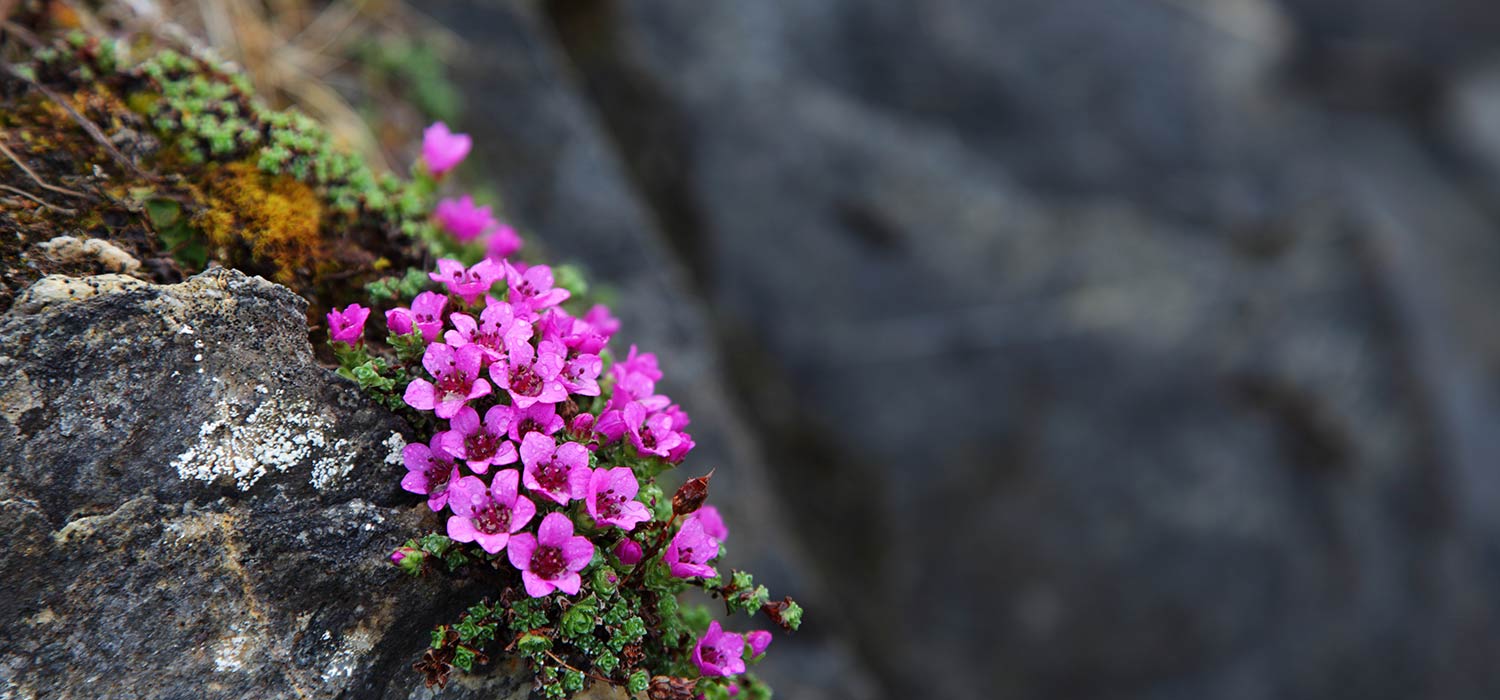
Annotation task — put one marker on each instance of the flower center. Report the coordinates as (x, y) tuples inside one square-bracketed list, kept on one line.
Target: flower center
[(552, 476), (438, 473), (712, 656), (529, 425), (454, 382), (547, 562), (481, 445), (648, 439), (609, 504), (491, 520), (489, 339), (525, 381)]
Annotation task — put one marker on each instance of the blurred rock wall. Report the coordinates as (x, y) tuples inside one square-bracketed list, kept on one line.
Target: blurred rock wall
[(1053, 348)]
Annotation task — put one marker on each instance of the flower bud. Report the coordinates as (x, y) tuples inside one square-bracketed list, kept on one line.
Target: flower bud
[(629, 552), (409, 559), (691, 495)]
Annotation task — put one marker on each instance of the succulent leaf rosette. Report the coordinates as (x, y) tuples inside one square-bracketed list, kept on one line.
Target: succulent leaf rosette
[(539, 448)]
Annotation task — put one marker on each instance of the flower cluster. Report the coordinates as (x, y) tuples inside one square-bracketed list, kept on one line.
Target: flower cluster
[(539, 451)]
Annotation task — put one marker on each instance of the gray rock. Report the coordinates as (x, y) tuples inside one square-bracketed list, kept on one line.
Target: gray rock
[(1094, 350), (194, 508)]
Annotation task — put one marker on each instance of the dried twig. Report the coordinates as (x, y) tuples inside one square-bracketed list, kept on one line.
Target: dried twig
[(39, 200), (34, 177)]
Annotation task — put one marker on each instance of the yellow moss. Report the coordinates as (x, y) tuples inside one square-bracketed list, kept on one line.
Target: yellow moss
[(274, 219)]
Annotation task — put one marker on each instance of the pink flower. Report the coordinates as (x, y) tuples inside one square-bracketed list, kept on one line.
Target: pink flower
[(458, 382), (576, 335), (611, 498), (468, 283), (462, 218), (629, 552), (497, 329), (426, 314), (536, 418), (531, 376), (600, 318), (428, 470), (582, 429), (490, 516), (713, 523), (719, 653), (532, 290), (690, 550), (581, 375), (651, 434), (398, 321), (501, 242), (757, 640), (480, 445), (443, 149), (559, 472), (635, 380), (347, 326), (552, 559)]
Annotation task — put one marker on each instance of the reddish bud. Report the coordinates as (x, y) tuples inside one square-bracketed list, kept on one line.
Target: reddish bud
[(691, 495)]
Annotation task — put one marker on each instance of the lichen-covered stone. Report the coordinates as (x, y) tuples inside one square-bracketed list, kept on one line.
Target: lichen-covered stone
[(192, 506)]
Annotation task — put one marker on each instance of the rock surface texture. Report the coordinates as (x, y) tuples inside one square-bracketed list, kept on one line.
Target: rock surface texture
[(1129, 349), (193, 507)]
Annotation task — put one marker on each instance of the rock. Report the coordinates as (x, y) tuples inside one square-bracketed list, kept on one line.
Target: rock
[(75, 252), (193, 507), (1093, 353)]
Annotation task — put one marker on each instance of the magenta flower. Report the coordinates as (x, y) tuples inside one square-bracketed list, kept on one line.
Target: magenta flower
[(398, 321), (347, 326), (713, 523), (531, 376), (559, 472), (651, 435), (501, 242), (552, 559), (577, 335), (611, 498), (629, 552), (443, 149), (426, 314), (582, 429), (497, 330), (536, 418), (757, 640), (490, 516), (532, 290), (468, 283), (602, 321), (480, 444), (719, 653), (462, 218), (635, 380), (580, 375), (428, 472), (458, 382), (690, 550)]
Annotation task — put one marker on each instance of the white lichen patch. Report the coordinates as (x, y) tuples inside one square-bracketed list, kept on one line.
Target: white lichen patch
[(277, 436), (394, 445), (353, 646), (229, 653)]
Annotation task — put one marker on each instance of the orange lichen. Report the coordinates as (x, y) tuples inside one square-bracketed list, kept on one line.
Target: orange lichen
[(262, 222)]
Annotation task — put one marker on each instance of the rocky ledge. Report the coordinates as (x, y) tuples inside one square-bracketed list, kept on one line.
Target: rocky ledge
[(193, 507)]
